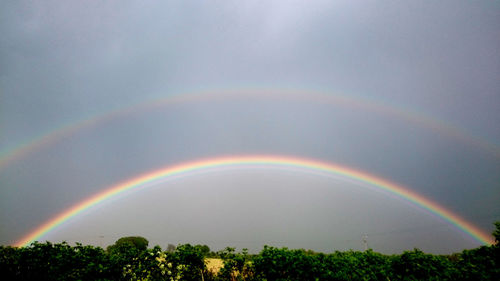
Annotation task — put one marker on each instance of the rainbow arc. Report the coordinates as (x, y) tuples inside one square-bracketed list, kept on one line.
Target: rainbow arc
[(262, 161), (36, 143)]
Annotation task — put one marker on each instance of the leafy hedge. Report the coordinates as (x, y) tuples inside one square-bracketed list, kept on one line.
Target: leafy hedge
[(130, 259)]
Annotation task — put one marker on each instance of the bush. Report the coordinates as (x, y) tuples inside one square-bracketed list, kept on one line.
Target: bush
[(129, 259)]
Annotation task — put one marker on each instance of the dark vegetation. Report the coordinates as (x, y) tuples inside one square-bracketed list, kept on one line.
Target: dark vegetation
[(131, 259)]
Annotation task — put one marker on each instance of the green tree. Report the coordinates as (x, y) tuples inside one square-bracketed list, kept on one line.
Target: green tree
[(204, 249), (126, 252), (416, 265), (191, 260), (47, 261), (137, 242), (284, 264), (237, 266), (496, 233)]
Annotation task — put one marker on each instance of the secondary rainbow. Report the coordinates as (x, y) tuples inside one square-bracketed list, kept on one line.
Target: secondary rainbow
[(282, 162), (36, 143)]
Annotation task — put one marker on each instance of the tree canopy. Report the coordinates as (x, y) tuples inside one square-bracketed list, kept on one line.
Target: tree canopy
[(130, 259)]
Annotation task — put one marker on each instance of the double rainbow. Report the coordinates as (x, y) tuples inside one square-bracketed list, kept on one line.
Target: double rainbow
[(282, 162)]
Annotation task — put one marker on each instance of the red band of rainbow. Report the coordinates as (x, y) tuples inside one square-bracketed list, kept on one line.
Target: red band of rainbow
[(261, 161)]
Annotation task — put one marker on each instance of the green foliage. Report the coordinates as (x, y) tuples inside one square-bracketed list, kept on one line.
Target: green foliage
[(204, 249), (352, 265), (283, 264), (496, 233), (129, 259), (237, 266), (482, 263), (152, 264), (416, 265), (47, 261), (136, 242), (191, 258)]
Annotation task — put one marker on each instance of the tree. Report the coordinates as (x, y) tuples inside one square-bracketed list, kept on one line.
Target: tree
[(237, 266), (47, 261), (496, 233), (417, 265), (134, 244), (204, 249), (191, 258), (138, 242)]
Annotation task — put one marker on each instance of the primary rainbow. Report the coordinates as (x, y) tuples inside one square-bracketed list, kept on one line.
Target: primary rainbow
[(283, 162)]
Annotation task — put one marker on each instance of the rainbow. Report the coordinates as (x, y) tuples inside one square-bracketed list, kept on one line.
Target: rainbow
[(282, 162), (36, 143)]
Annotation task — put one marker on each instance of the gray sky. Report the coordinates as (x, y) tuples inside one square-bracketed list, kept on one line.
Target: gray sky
[(63, 62)]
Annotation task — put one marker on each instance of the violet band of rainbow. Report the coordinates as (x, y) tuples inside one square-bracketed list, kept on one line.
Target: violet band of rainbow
[(263, 160)]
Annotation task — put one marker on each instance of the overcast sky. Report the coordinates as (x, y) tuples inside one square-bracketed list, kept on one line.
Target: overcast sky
[(66, 61)]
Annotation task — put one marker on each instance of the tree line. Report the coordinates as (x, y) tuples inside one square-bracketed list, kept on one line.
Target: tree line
[(131, 259)]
